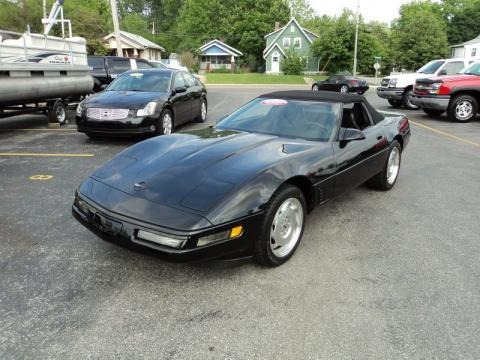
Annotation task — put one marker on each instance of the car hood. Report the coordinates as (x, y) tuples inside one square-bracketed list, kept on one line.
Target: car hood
[(451, 78), (196, 170), (124, 99)]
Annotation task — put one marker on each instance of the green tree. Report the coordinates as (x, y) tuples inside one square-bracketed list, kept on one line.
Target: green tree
[(419, 35), (461, 17), (293, 64), (301, 10)]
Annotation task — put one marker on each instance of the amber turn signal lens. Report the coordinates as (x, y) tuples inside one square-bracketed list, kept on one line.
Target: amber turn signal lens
[(236, 232)]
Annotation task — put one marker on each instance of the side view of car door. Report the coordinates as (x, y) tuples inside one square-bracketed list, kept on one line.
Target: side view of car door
[(195, 93), (358, 159), (180, 100)]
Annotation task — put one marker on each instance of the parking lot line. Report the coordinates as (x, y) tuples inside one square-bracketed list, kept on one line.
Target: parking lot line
[(451, 136), (46, 154)]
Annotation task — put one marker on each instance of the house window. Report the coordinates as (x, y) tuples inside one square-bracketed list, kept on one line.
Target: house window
[(474, 52), (297, 43), (292, 28), (286, 42), (305, 59)]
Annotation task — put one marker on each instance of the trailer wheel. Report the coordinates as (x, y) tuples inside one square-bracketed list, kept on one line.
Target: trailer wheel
[(57, 113)]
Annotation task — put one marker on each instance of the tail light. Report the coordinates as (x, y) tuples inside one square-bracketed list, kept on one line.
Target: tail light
[(403, 125)]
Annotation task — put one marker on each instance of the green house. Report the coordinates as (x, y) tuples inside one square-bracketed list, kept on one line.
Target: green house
[(291, 36)]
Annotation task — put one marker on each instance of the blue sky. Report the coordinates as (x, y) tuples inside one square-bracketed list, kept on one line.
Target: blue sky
[(381, 10)]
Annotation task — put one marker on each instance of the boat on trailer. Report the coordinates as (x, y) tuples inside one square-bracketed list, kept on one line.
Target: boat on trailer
[(39, 72)]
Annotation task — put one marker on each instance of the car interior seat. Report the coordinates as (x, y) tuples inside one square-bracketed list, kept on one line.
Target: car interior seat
[(348, 119)]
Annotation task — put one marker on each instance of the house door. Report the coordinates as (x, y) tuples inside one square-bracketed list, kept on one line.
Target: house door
[(275, 62)]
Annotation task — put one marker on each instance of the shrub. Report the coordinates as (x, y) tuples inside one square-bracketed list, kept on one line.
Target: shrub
[(293, 64), (189, 60)]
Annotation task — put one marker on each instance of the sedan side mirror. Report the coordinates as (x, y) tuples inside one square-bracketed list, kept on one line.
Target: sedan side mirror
[(180, 89), (351, 134)]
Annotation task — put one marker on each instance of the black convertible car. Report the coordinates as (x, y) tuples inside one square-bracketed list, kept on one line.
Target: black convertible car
[(147, 101), (244, 186), (341, 83)]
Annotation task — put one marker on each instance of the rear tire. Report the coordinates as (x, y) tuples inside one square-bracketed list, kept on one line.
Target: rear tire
[(315, 87), (433, 112), (386, 179), (462, 108), (282, 227)]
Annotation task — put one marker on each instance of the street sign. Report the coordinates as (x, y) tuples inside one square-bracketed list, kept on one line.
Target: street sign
[(377, 66)]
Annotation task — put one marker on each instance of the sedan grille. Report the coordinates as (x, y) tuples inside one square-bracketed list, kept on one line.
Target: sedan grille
[(385, 82), (107, 114)]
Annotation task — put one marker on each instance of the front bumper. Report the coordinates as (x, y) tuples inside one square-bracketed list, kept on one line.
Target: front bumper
[(390, 93), (131, 125), (435, 102), (123, 230)]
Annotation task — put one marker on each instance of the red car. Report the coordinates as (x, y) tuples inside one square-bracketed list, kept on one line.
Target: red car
[(458, 95)]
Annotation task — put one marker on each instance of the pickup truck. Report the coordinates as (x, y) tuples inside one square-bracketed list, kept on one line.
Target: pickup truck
[(398, 88), (104, 69), (458, 95)]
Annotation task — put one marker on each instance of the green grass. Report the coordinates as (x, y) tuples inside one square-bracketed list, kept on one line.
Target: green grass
[(253, 78)]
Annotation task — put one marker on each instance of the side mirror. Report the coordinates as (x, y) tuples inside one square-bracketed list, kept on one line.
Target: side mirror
[(442, 72), (180, 89), (352, 135)]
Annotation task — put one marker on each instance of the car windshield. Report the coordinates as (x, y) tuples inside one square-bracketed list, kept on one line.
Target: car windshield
[(311, 120), (473, 69), (142, 81), (431, 67)]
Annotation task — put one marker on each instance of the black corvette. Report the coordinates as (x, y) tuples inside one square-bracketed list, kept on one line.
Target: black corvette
[(148, 101), (243, 187), (341, 83)]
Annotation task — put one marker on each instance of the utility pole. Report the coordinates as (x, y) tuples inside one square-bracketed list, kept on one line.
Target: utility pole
[(356, 41), (116, 27)]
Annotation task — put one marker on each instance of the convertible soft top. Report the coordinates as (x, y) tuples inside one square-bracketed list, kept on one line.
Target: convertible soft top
[(325, 96)]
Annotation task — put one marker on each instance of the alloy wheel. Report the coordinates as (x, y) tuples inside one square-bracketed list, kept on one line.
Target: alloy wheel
[(286, 227), (315, 87), (167, 124), (393, 165), (344, 89), (60, 114), (203, 111), (463, 110)]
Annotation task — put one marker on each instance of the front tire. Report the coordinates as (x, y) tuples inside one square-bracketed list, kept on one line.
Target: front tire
[(202, 117), (433, 112), (282, 227), (315, 87), (462, 108), (386, 179), (165, 124), (406, 102), (344, 89)]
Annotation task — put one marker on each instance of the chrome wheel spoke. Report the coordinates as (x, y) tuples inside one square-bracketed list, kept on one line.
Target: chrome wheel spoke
[(286, 227), (393, 165)]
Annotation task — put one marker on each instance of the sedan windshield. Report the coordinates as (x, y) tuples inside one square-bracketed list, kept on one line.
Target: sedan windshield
[(142, 81), (431, 67), (473, 69), (311, 120)]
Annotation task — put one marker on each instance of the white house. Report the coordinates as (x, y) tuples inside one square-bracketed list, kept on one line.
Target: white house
[(216, 54), (134, 46), (469, 50)]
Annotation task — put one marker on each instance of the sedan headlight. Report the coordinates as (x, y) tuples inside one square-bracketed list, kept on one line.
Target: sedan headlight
[(392, 83), (147, 110), (79, 110)]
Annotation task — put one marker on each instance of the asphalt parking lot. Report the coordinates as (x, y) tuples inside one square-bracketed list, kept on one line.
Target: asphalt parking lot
[(378, 275)]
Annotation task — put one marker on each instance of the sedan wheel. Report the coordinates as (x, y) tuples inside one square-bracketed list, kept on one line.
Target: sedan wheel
[(165, 123), (282, 227), (203, 111), (388, 177), (315, 87), (344, 89)]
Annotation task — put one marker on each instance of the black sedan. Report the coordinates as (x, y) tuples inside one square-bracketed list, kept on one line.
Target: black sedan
[(243, 187), (341, 83), (148, 101)]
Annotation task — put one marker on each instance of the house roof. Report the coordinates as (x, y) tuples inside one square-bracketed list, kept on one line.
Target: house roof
[(280, 32), (271, 49), (227, 48), (137, 40), (474, 41)]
